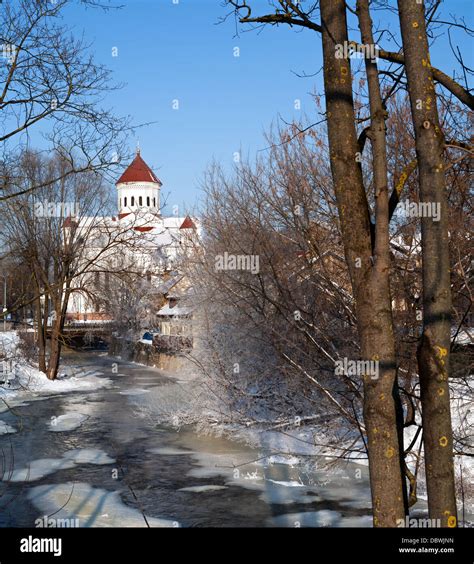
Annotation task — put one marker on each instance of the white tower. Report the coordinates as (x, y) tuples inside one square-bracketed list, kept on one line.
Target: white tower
[(138, 189)]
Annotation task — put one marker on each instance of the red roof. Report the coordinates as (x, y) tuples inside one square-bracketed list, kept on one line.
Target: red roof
[(138, 171), (69, 222), (188, 223)]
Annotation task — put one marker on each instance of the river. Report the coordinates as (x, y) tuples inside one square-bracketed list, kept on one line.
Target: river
[(94, 458)]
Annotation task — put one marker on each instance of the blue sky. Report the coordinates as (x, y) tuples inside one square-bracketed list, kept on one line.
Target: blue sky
[(170, 51)]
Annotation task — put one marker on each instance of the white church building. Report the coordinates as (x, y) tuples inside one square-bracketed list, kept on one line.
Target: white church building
[(138, 238)]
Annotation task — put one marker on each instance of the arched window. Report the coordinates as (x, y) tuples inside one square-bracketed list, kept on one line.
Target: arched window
[(154, 202), (133, 201), (125, 202), (148, 201), (140, 201), (120, 202)]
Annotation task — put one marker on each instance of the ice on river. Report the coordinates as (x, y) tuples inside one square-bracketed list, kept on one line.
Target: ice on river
[(290, 484), (93, 507), (37, 469), (282, 459), (67, 422), (88, 456), (40, 468), (11, 403), (134, 392), (201, 489), (5, 429), (169, 451)]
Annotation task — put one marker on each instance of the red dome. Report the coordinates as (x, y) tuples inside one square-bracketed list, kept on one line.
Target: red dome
[(138, 171)]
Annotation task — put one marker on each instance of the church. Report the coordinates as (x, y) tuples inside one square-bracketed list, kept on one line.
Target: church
[(137, 239), (138, 201)]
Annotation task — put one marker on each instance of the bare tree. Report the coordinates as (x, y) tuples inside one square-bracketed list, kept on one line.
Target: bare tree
[(434, 348), (49, 77), (59, 232), (365, 242)]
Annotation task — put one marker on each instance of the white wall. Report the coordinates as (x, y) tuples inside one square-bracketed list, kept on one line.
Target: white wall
[(136, 190)]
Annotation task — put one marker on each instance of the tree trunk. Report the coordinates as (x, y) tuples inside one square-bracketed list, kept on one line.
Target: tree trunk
[(369, 275), (41, 335), (60, 309), (433, 352), (377, 136), (55, 347)]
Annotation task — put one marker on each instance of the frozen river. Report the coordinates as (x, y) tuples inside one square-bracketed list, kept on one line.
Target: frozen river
[(95, 458)]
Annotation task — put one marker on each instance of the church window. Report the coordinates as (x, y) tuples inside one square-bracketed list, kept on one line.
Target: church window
[(148, 201), (140, 201), (125, 202), (133, 201), (154, 202)]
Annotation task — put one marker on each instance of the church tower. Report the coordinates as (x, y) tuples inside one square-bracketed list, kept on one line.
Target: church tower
[(138, 189)]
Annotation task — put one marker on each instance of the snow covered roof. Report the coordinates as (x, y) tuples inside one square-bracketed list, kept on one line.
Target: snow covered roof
[(168, 311), (173, 222), (163, 238)]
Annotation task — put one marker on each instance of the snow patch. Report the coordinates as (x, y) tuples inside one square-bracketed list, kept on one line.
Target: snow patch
[(93, 507), (88, 456), (8, 342), (29, 379), (134, 392), (200, 489), (291, 484), (5, 429), (67, 422), (37, 469), (283, 459)]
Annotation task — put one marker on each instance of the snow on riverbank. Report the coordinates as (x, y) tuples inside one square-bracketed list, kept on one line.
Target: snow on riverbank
[(25, 380)]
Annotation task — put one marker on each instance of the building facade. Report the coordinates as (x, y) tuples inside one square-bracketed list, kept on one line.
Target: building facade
[(138, 240)]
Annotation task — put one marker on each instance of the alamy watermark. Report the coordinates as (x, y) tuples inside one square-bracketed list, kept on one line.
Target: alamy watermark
[(348, 367), (35, 544), (56, 209), (421, 209), (418, 522), (351, 50), (48, 522), (229, 261), (8, 51)]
